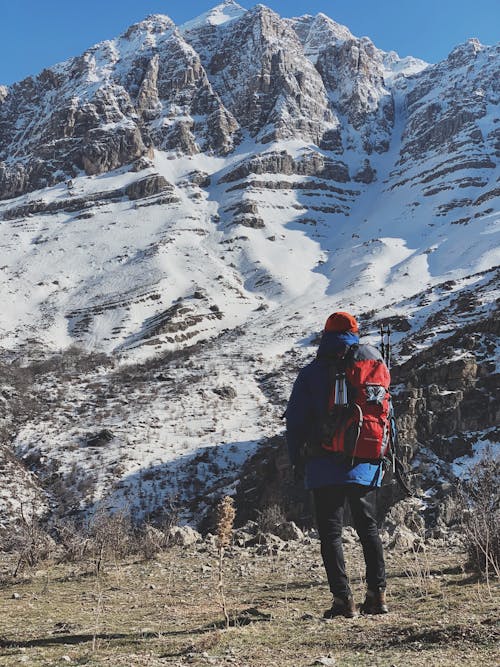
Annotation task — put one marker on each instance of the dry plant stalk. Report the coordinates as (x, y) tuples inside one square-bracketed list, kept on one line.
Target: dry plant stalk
[(98, 609), (419, 572), (225, 522)]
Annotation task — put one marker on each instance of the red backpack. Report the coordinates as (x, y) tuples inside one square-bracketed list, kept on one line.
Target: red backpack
[(358, 422)]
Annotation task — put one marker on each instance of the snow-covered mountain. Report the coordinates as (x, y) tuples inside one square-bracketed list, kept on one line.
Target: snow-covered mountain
[(220, 187)]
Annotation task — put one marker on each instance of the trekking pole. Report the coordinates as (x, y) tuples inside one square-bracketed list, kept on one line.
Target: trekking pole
[(385, 347), (398, 468)]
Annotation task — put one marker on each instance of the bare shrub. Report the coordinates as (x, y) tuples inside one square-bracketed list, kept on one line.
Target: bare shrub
[(31, 543), (71, 361), (269, 518), (111, 536), (150, 540), (154, 534), (479, 502), (418, 570), (73, 542), (105, 537)]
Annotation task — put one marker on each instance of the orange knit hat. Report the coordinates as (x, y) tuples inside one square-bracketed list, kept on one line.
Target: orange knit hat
[(340, 322)]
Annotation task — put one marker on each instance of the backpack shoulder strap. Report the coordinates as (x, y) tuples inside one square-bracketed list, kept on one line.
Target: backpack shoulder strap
[(350, 355)]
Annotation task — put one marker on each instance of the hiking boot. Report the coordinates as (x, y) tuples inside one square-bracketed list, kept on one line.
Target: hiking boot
[(374, 603), (342, 607)]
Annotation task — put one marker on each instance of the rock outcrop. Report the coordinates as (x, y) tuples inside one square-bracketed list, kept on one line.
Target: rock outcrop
[(310, 164), (448, 406), (108, 107), (148, 186)]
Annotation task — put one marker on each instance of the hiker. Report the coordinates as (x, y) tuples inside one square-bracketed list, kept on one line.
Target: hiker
[(341, 459)]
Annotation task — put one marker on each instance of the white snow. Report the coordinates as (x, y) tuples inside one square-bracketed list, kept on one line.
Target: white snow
[(223, 13), (462, 466)]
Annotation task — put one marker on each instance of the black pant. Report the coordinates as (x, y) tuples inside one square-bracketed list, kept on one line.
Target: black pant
[(329, 505)]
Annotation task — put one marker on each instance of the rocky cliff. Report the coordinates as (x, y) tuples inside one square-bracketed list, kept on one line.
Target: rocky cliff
[(193, 89)]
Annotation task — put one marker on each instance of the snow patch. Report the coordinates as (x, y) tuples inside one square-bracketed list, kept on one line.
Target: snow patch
[(219, 15)]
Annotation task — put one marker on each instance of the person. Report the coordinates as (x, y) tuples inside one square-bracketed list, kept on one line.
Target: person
[(332, 477)]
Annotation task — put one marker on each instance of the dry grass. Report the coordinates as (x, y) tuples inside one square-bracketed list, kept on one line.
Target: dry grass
[(166, 612)]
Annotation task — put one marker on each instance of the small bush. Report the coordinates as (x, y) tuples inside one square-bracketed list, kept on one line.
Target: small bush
[(113, 536), (110, 536), (30, 542), (479, 501), (269, 518), (150, 541), (73, 542)]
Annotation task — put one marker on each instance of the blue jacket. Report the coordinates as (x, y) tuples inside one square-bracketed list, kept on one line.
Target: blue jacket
[(306, 407)]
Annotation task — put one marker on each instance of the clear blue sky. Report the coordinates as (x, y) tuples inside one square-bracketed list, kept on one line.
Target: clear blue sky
[(37, 33)]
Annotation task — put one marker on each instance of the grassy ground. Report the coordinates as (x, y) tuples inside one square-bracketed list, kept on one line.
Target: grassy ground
[(167, 612)]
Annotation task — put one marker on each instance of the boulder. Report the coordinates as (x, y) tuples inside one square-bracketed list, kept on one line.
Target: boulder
[(288, 530), (366, 174), (226, 391), (268, 544), (100, 439), (404, 539), (241, 538), (184, 536), (268, 540), (405, 514)]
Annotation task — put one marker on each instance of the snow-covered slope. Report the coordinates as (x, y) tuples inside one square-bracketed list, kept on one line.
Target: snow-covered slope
[(223, 13), (223, 187)]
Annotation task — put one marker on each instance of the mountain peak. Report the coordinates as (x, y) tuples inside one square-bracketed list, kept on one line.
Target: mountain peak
[(321, 16), (259, 7), (154, 24), (462, 53), (341, 31), (318, 31), (218, 15)]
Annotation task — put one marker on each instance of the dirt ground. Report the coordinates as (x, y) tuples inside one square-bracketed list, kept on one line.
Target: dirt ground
[(167, 611)]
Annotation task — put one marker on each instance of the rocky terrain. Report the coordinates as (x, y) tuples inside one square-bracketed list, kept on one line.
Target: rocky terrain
[(180, 209), (165, 610)]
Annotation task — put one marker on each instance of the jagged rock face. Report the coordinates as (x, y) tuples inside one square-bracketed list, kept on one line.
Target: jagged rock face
[(451, 402), (109, 107), (448, 131), (148, 186), (65, 132), (176, 80), (192, 91), (104, 151), (318, 32), (260, 72), (353, 74), (195, 90), (450, 405)]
